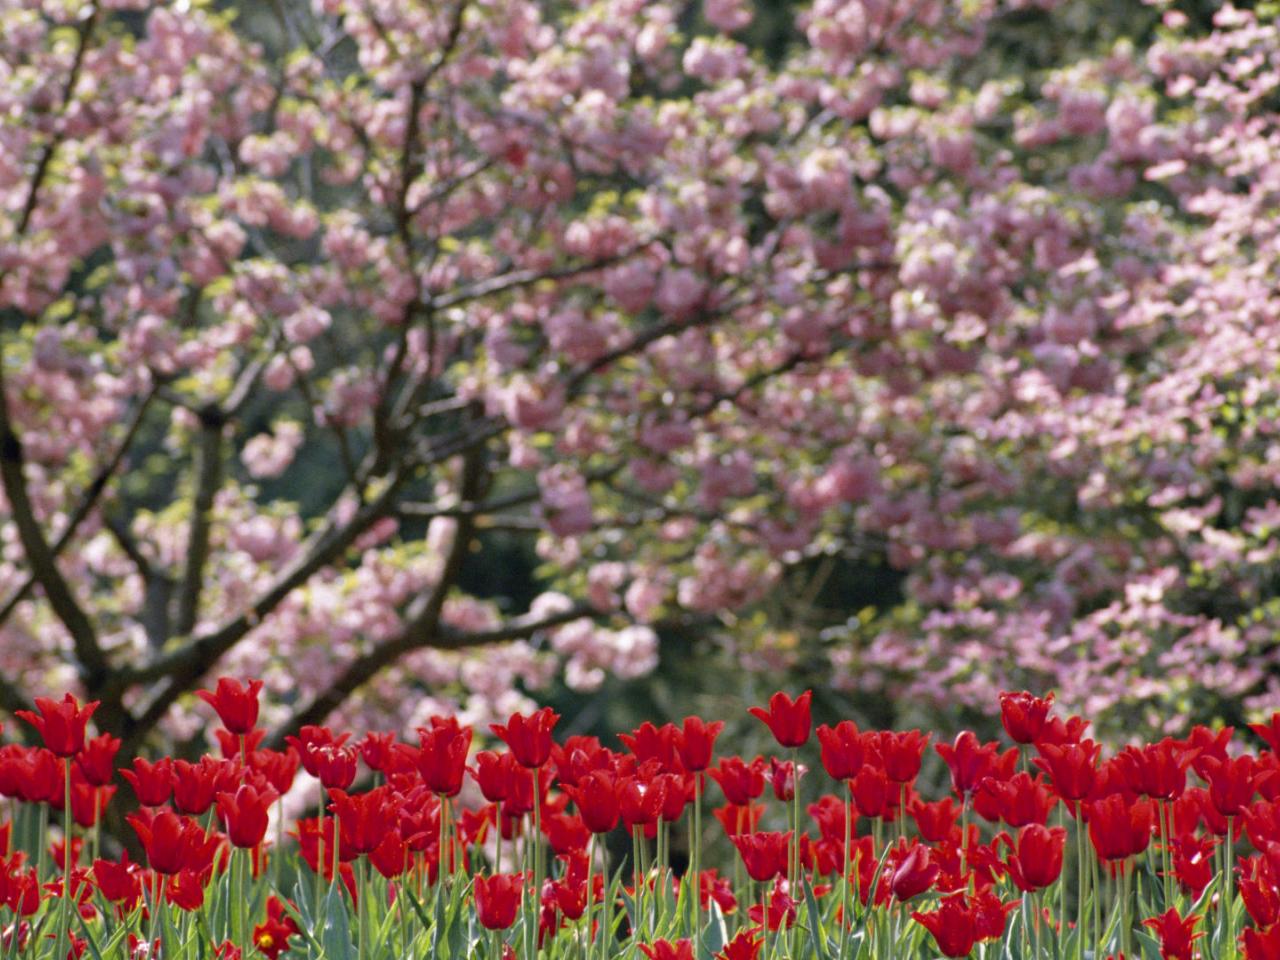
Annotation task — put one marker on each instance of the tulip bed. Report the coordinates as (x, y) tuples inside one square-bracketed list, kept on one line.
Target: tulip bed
[(432, 849)]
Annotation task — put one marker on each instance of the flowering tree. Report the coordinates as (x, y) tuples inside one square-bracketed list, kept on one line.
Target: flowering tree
[(602, 276)]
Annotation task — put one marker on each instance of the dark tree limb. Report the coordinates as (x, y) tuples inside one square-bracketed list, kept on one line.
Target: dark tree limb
[(208, 478), (366, 667), (181, 667)]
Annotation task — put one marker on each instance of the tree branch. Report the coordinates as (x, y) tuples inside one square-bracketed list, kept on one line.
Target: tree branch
[(208, 472), (186, 664), (366, 667)]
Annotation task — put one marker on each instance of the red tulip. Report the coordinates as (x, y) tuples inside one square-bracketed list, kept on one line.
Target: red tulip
[(666, 950), (783, 777), (309, 739), (196, 784), (640, 801), (363, 818), (88, 802), (1035, 860), (236, 704), (596, 797), (677, 791), (565, 832), (740, 782), (152, 782), (1232, 783), (279, 768), (914, 873), (497, 899), (1120, 828), (1018, 801), (1193, 863), (779, 911), (1269, 731), (391, 857), (185, 890), (118, 880), (788, 720), (493, 773), (842, 749), (745, 945), (442, 759), (739, 819), (969, 761), (1023, 715), (1072, 767), (1157, 770), (60, 725), (529, 738), (873, 794), (1175, 933), (272, 936), (377, 749), (648, 742), (335, 766), (1259, 891), (245, 814), (1060, 732), (172, 843), (901, 754), (96, 761), (764, 854), (695, 743), (578, 756), (935, 821), (953, 926)]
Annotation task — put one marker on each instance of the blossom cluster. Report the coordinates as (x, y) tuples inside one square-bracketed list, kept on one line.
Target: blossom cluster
[(370, 283)]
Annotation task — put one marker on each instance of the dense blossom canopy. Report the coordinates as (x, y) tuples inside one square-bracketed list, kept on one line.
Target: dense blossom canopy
[(608, 276)]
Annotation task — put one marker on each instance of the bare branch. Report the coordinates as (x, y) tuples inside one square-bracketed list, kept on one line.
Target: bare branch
[(182, 666), (365, 668), (208, 474)]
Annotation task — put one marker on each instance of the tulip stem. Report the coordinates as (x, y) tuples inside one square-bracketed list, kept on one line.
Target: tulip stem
[(64, 914), (1037, 916), (846, 903), (320, 858), (591, 863), (238, 894), (696, 851), (1228, 868), (497, 856), (1081, 875), (95, 831), (1126, 909), (41, 842), (1096, 879), (362, 908), (638, 881), (537, 853), (1165, 811)]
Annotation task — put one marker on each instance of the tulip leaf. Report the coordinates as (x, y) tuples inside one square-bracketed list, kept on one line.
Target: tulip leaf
[(715, 935), (816, 935), (336, 936)]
